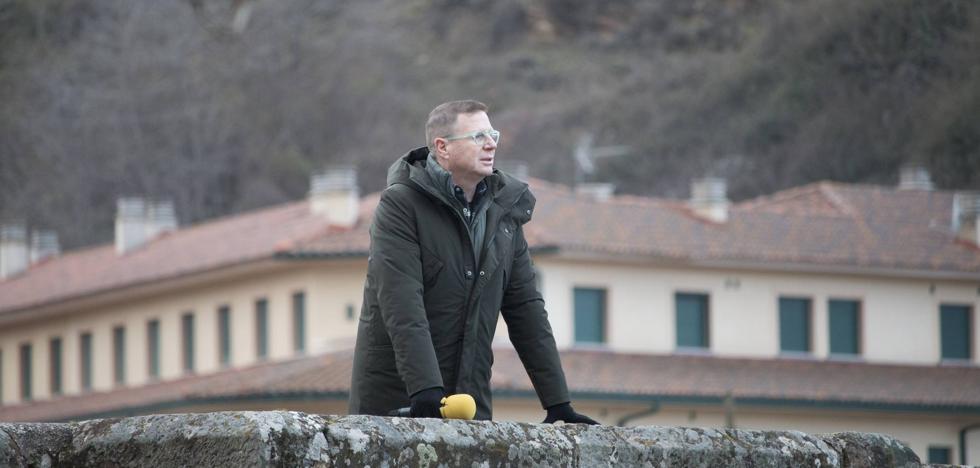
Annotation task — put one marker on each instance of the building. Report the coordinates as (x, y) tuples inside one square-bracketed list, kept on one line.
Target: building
[(821, 308)]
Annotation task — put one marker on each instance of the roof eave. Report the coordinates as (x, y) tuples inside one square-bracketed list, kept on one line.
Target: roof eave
[(182, 403), (136, 289), (320, 255), (857, 270), (770, 266), (757, 402)]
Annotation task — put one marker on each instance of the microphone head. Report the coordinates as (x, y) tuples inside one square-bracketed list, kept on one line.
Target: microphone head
[(458, 406)]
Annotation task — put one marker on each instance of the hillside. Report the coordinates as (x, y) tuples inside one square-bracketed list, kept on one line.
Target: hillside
[(226, 106)]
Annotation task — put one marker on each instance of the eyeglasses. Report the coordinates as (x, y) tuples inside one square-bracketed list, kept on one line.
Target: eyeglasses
[(480, 137)]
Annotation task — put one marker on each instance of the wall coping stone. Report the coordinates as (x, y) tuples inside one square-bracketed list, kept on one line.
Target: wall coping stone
[(288, 438)]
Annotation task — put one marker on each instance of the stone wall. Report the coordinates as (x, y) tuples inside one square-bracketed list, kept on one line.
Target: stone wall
[(279, 438)]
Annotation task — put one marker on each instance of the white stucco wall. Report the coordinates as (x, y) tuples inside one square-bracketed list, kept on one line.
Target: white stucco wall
[(329, 288), (899, 317)]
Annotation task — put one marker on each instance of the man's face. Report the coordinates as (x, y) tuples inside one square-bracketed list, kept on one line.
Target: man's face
[(465, 157)]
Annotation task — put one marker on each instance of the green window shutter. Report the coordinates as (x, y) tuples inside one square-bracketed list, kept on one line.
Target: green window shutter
[(844, 329), (692, 320), (119, 354), (86, 358), (56, 387), (261, 328), (187, 332), (955, 331), (224, 335), (590, 315), (299, 322), (794, 324), (153, 348), (25, 372), (939, 455)]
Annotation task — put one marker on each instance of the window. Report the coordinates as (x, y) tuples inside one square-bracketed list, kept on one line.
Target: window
[(85, 354), (939, 455), (845, 328), (119, 355), (224, 335), (187, 334), (55, 356), (25, 372), (299, 322), (261, 328), (955, 326), (794, 325), (692, 320), (590, 315), (153, 348)]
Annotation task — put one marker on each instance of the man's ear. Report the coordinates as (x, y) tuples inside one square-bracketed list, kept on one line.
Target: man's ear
[(440, 146)]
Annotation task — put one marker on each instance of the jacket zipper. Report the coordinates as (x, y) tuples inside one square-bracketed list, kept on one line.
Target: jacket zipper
[(469, 302)]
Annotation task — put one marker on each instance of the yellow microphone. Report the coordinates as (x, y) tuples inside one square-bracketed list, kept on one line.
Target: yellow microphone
[(458, 406)]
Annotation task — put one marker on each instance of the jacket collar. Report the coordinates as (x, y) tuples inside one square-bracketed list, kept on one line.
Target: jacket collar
[(411, 170)]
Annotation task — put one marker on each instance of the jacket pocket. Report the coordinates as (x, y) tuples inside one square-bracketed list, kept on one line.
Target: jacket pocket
[(432, 266), (373, 328)]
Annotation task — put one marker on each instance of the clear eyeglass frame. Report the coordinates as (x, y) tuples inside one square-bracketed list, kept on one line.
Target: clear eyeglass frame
[(479, 136)]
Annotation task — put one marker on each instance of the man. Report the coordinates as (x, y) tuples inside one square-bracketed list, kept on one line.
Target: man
[(447, 256)]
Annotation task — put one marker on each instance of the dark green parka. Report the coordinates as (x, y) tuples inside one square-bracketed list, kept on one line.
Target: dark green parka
[(429, 312)]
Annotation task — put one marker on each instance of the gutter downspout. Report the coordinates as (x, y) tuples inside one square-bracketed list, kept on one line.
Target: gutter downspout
[(963, 432), (653, 409)]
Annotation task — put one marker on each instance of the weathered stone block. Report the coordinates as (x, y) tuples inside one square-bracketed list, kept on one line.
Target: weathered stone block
[(40, 445)]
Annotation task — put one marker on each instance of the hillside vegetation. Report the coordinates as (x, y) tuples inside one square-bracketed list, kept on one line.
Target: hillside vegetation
[(226, 106)]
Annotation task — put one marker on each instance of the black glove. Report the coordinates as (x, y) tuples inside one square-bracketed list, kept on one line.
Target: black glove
[(427, 403), (564, 412)]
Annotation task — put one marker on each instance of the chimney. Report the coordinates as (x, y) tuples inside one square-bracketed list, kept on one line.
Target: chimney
[(333, 194), (13, 249), (515, 168), (914, 178), (160, 218), (139, 221), (598, 191), (966, 208), (44, 244), (709, 198)]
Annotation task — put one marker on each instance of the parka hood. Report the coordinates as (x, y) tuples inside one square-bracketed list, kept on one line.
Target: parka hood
[(507, 190)]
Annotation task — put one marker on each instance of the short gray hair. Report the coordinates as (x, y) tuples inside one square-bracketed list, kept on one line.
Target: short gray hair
[(443, 118)]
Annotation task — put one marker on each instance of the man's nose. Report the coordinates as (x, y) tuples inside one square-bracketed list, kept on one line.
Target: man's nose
[(490, 144)]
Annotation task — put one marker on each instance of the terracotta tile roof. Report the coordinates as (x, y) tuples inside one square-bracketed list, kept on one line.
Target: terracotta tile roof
[(219, 243), (765, 380), (821, 224), (597, 375), (329, 373), (817, 225)]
